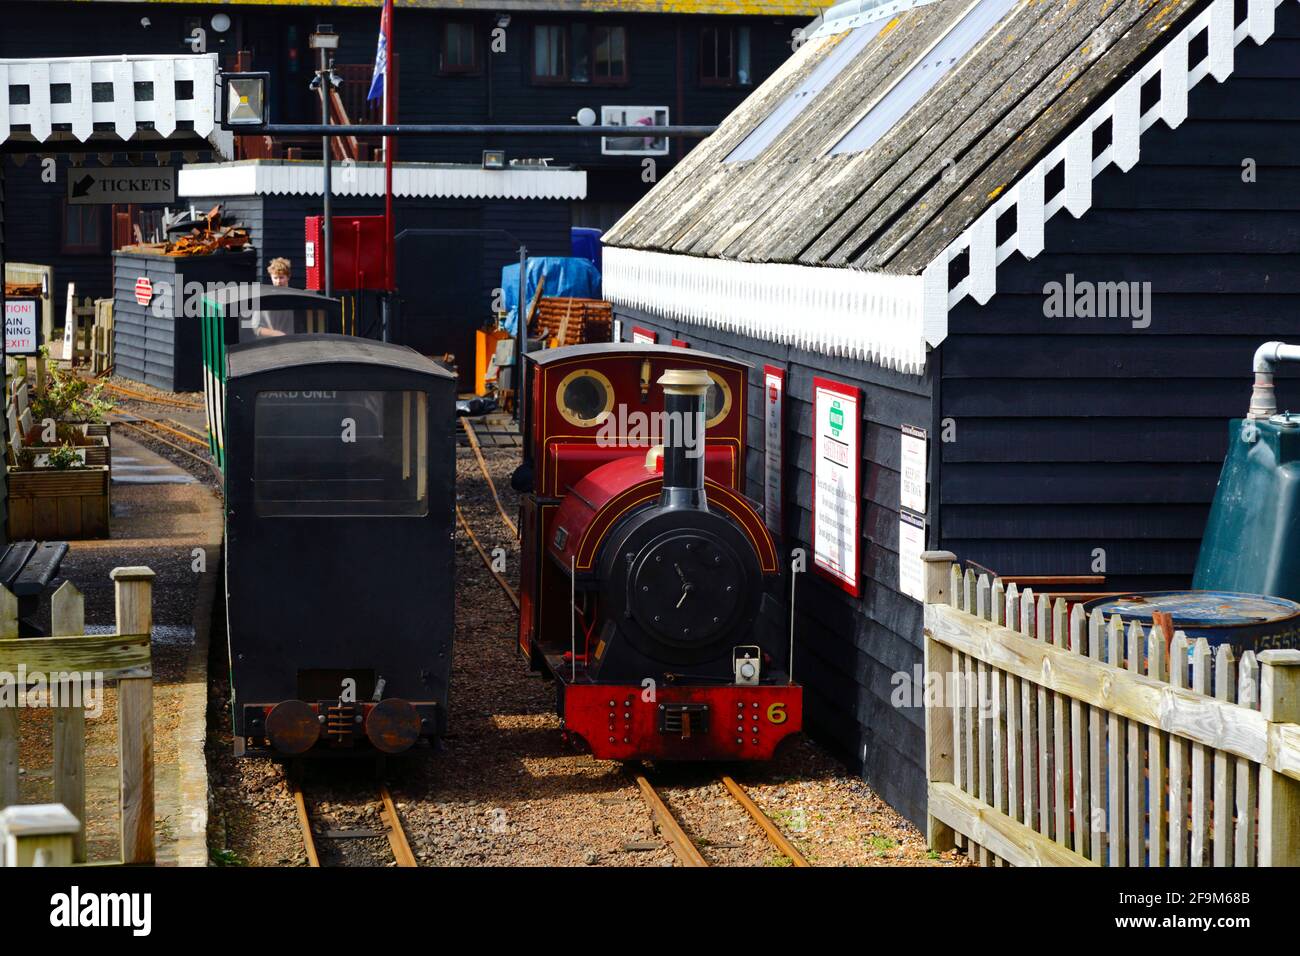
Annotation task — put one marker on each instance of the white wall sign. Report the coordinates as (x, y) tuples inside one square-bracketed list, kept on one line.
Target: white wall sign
[(773, 450), (647, 116), (836, 460), (912, 481), (21, 322), (911, 544)]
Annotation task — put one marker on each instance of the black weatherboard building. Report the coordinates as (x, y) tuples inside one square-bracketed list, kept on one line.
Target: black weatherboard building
[(458, 61), (1053, 249)]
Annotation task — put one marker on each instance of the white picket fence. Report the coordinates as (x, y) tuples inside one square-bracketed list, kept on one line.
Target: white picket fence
[(121, 93), (1057, 738)]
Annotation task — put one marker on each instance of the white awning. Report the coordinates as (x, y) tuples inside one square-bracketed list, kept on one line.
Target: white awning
[(146, 100), (864, 315), (425, 180)]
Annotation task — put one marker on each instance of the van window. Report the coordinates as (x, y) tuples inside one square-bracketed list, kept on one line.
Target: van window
[(344, 452)]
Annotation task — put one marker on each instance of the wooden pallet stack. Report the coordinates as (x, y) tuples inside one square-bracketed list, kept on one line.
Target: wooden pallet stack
[(571, 321)]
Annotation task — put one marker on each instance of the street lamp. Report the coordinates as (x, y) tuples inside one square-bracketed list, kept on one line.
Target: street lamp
[(326, 40)]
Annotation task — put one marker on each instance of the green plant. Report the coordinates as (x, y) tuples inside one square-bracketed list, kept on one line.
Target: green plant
[(64, 457), (68, 397), (26, 459), (880, 843), (226, 858)]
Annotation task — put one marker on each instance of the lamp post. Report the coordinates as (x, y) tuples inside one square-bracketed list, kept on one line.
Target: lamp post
[(326, 40)]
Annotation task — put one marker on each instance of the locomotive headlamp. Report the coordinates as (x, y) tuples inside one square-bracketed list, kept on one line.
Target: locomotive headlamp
[(243, 101), (745, 662)]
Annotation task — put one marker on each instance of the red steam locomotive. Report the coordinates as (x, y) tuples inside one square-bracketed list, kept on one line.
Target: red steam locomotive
[(647, 575)]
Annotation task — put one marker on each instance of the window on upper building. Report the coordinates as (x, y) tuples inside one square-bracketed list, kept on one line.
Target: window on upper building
[(724, 56), (83, 229), (459, 48), (579, 53)]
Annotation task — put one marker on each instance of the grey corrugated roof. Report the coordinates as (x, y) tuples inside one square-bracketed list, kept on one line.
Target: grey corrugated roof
[(896, 205), (251, 358)]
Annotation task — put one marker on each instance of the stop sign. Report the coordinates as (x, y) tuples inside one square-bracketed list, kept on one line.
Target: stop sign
[(143, 290)]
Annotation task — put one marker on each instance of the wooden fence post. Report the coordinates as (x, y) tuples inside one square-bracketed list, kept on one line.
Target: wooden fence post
[(133, 588), (9, 715), (939, 741), (68, 618), (1279, 795), (37, 835)]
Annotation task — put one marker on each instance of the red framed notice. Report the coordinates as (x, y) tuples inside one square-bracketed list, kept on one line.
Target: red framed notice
[(837, 456), (773, 446), (644, 336), (681, 343), (22, 326)]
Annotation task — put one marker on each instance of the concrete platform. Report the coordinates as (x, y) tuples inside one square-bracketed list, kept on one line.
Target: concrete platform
[(163, 518)]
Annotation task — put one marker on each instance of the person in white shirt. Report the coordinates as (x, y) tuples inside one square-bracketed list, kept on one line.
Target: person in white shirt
[(275, 321)]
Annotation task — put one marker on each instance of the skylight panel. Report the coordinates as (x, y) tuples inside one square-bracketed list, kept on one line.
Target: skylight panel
[(922, 76), (766, 132)]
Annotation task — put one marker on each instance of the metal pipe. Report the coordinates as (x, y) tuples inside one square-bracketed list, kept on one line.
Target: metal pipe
[(328, 185), (1263, 401), (453, 129), (521, 341)]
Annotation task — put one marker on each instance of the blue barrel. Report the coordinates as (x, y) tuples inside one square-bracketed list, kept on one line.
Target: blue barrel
[(1248, 622)]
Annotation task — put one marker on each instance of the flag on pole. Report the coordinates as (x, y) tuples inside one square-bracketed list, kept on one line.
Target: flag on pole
[(381, 53)]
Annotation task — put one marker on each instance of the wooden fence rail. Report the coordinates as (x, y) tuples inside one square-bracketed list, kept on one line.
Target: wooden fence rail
[(1058, 738), (69, 661)]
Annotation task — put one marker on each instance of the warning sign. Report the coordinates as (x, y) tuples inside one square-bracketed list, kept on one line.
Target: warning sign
[(21, 316), (836, 460)]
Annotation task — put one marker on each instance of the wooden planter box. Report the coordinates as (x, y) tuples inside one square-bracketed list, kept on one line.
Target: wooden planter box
[(52, 504), (96, 453)]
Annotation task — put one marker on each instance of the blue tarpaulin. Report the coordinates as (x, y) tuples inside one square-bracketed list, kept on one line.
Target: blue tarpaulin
[(565, 276), (584, 243)]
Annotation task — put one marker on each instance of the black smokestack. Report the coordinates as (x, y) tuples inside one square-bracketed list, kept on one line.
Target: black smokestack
[(683, 437)]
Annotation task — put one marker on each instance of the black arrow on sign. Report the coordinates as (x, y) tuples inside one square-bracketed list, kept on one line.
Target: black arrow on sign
[(82, 186)]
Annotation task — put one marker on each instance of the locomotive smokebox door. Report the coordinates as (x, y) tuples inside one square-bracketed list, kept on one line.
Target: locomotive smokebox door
[(340, 461)]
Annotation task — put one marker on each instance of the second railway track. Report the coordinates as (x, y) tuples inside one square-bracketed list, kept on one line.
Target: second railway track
[(686, 850), (390, 828)]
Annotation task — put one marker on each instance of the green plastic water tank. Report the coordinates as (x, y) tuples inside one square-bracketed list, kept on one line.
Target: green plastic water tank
[(1251, 540)]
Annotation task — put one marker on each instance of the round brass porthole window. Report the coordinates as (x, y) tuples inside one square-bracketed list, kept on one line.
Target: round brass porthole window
[(717, 401), (584, 397)]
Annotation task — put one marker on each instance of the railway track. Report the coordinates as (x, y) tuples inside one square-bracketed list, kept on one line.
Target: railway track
[(686, 850), (469, 531), (133, 395), (157, 429), (392, 829)]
